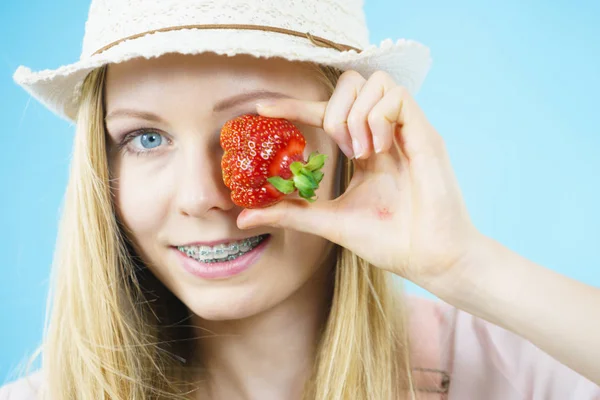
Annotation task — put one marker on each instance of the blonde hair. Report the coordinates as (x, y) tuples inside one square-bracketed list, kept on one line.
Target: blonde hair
[(113, 331)]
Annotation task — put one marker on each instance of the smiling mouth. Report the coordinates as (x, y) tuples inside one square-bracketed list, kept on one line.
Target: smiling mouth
[(222, 252)]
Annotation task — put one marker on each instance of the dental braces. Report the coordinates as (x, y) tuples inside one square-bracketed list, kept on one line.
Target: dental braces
[(221, 252)]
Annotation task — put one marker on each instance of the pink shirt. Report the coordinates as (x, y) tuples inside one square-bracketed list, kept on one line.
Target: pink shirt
[(487, 362), (484, 361)]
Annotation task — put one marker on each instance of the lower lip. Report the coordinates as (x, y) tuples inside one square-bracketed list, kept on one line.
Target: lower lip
[(225, 269)]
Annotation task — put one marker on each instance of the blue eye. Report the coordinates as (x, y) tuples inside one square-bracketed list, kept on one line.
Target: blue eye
[(143, 141), (150, 140)]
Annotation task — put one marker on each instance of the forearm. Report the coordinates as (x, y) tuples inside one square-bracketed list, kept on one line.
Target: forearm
[(559, 315)]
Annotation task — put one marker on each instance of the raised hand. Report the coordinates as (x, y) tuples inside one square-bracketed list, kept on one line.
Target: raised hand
[(403, 210)]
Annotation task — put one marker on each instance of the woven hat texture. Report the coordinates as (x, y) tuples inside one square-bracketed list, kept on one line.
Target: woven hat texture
[(329, 32)]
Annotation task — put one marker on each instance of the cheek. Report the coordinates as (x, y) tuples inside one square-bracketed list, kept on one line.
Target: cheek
[(303, 254), (139, 202)]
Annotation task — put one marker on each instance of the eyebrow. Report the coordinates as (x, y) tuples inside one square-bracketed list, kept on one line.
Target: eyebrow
[(222, 105), (247, 96)]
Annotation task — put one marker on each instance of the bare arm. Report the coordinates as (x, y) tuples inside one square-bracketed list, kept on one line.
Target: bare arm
[(559, 315)]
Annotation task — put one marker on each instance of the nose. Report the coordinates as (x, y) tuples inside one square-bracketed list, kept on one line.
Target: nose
[(200, 187)]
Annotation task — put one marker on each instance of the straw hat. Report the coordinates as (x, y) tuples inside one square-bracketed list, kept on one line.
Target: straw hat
[(329, 32)]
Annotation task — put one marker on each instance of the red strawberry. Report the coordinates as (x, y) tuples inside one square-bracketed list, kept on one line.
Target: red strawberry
[(264, 161)]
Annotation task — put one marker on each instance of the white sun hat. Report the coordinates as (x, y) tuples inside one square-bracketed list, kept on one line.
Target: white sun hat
[(328, 32)]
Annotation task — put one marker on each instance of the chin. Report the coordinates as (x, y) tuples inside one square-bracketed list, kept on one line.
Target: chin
[(230, 304), (226, 313)]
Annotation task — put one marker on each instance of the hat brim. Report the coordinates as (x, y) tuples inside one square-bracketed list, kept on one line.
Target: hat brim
[(407, 61)]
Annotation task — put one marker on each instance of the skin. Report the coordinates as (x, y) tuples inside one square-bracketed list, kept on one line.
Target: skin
[(403, 212), (175, 195)]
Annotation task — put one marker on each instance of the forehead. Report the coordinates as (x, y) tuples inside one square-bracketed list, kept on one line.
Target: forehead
[(204, 79)]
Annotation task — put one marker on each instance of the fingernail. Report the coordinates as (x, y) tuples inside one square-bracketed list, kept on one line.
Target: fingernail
[(347, 151), (358, 151), (264, 104), (377, 144)]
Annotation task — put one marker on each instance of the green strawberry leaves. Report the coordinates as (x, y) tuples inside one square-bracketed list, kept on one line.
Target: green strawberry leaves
[(315, 161), (285, 186), (306, 177)]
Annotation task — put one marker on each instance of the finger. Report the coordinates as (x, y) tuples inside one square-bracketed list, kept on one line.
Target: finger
[(331, 116), (383, 120), (340, 104), (417, 136), (304, 111), (370, 94), (296, 214)]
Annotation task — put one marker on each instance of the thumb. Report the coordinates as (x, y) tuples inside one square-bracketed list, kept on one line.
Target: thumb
[(297, 214)]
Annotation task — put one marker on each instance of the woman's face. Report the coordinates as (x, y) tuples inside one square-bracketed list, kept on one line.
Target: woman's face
[(173, 194)]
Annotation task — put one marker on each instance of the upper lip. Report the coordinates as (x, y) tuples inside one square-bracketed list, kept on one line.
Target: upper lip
[(216, 242)]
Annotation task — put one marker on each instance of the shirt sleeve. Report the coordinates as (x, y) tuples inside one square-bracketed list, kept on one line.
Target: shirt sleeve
[(488, 362), (23, 389)]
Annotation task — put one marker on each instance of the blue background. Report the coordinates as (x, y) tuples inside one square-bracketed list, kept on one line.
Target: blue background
[(513, 89)]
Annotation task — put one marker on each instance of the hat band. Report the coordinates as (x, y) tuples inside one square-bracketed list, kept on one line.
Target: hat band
[(316, 40)]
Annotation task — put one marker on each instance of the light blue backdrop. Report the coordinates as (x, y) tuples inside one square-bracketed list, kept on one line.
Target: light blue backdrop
[(513, 89)]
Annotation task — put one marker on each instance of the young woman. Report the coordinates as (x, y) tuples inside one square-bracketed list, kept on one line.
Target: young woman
[(310, 309)]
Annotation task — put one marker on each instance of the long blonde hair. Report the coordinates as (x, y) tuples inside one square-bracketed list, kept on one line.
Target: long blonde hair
[(113, 331)]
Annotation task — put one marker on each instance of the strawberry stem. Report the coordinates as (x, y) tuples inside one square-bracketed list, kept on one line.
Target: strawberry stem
[(285, 186), (305, 177), (315, 161)]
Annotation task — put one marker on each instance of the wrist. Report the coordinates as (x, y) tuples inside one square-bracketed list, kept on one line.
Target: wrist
[(489, 282), (461, 284)]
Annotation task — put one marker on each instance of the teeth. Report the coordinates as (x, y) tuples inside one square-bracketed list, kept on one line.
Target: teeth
[(234, 248), (221, 251), (244, 246)]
